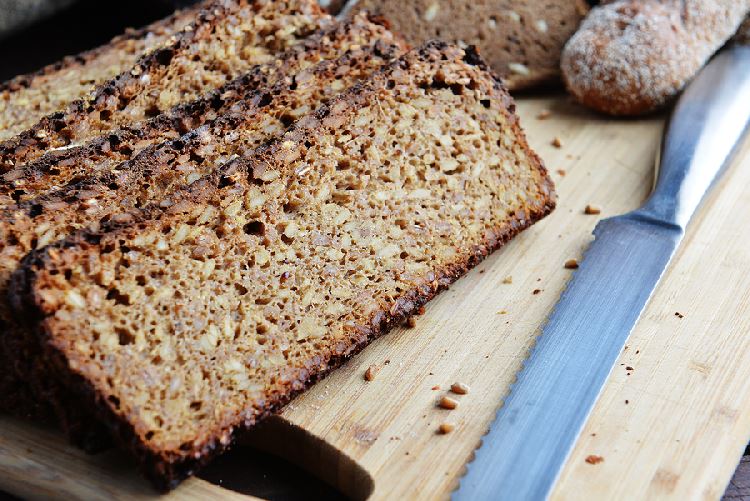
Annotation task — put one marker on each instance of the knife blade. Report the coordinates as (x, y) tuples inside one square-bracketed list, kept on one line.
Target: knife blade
[(536, 427)]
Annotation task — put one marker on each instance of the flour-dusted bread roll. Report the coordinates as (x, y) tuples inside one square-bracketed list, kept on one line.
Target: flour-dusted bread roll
[(632, 56)]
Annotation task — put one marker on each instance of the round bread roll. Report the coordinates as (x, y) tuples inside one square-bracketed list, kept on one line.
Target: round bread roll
[(632, 56)]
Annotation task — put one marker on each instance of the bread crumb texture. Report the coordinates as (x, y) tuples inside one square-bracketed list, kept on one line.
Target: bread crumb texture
[(225, 41), (159, 171), (212, 308), (522, 41), (27, 98)]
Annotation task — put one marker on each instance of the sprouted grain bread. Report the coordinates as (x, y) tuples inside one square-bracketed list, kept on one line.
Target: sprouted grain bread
[(210, 310), (223, 42), (26, 99), (59, 168), (158, 171)]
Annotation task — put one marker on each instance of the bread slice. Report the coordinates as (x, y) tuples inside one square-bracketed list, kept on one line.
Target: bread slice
[(25, 99), (151, 175), (100, 155), (522, 41), (198, 316), (225, 41)]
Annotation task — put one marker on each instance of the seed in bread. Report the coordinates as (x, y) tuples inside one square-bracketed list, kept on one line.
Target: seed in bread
[(522, 41), (154, 174), (224, 42), (26, 99), (633, 56), (265, 275)]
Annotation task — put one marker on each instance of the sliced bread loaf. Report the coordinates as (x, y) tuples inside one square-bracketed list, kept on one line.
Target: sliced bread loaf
[(522, 41), (224, 42), (25, 99), (154, 173), (212, 309), (100, 155)]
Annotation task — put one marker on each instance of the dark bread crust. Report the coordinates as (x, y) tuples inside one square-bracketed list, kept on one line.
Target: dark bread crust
[(60, 168), (359, 56), (167, 467), (60, 129)]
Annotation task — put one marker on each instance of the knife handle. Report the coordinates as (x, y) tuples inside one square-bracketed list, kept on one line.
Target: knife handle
[(706, 125)]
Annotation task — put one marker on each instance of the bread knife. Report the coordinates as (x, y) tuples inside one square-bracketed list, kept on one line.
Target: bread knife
[(535, 429)]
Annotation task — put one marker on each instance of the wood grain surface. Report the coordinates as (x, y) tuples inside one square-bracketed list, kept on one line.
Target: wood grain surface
[(679, 435)]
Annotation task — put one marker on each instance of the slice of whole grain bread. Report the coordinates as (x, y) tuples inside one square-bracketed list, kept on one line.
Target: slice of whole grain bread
[(154, 173), (189, 320), (26, 99), (224, 41), (99, 155)]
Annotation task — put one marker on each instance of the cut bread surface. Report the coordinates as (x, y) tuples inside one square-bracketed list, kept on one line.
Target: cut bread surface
[(224, 41), (211, 309), (27, 98), (98, 156), (158, 171), (522, 41)]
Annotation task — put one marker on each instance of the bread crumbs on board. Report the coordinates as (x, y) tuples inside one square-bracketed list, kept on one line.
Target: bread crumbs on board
[(446, 428), (371, 372)]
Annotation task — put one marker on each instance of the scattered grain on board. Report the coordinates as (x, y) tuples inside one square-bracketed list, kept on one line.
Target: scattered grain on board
[(411, 322), (593, 459), (571, 264), (592, 210), (448, 403), (446, 428), (508, 280), (536, 291), (371, 372), (678, 314), (557, 142), (562, 172), (436, 387), (460, 388), (544, 115)]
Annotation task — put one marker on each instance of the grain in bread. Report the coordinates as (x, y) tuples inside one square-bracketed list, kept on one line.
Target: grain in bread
[(25, 99), (225, 41), (193, 321), (100, 155), (522, 41), (154, 173), (633, 56)]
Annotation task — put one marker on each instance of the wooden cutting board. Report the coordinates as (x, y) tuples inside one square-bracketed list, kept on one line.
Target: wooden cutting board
[(674, 417)]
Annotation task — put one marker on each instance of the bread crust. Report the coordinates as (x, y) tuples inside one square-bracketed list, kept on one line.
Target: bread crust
[(634, 56), (167, 467)]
